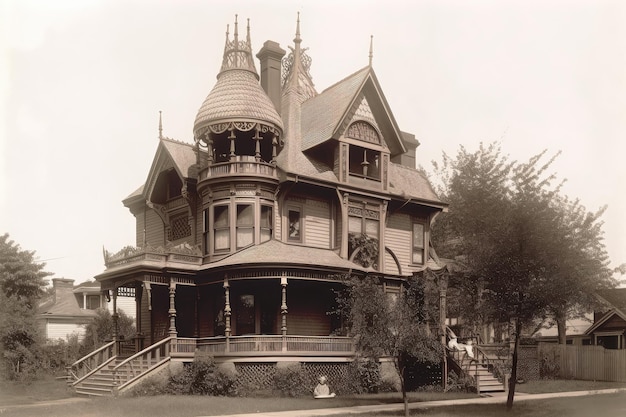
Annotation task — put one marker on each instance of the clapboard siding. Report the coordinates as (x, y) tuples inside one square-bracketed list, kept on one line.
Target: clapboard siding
[(139, 229), (61, 330), (317, 223), (390, 264), (308, 309), (125, 304), (155, 231), (398, 239)]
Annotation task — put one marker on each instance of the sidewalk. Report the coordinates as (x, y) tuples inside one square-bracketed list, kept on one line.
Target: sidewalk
[(497, 398)]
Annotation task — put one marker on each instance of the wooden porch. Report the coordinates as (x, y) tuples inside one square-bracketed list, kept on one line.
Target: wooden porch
[(263, 345)]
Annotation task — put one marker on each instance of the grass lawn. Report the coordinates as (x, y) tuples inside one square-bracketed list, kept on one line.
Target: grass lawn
[(51, 389)]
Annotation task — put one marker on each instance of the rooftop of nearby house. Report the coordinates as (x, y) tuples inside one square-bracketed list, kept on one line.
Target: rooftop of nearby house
[(63, 300)]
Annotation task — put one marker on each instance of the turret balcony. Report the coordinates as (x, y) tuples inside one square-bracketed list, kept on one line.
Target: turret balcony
[(241, 166)]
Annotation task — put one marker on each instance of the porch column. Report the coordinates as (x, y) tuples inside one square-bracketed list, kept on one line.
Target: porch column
[(116, 350), (344, 226), (139, 335), (274, 146), (283, 311), (85, 301), (227, 310), (172, 311), (232, 138)]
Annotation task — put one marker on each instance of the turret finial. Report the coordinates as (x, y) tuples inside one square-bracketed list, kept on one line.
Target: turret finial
[(160, 126), (236, 34), (248, 33), (371, 56), (297, 38)]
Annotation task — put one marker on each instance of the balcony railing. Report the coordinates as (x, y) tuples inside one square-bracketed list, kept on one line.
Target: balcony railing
[(244, 165), (266, 345), (130, 254)]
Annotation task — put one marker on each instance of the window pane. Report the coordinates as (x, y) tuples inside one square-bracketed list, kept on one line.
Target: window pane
[(266, 216), (245, 215), (245, 236), (355, 225), (371, 228), (294, 225), (418, 256), (220, 216), (418, 235), (222, 239)]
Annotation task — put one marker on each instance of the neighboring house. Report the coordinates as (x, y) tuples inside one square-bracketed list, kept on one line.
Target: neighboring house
[(61, 315), (90, 297), (609, 324), (243, 236), (70, 308)]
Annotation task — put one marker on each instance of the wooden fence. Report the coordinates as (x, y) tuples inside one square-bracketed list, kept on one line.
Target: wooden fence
[(593, 363)]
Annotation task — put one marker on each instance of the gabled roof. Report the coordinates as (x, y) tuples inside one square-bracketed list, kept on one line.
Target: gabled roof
[(615, 299), (326, 115), (322, 114), (65, 306), (170, 153)]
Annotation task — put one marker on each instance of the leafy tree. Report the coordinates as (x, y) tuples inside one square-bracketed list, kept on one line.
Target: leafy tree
[(100, 330), (22, 282), (525, 249), (386, 325)]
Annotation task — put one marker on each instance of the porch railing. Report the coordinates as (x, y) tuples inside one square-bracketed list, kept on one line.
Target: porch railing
[(90, 363), (141, 362), (276, 345)]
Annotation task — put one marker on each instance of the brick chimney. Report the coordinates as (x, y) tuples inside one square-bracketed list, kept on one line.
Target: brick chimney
[(271, 56), (62, 285)]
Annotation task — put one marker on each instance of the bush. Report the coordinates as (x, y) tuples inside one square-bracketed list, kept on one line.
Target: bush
[(363, 376), (202, 377), (461, 383), (289, 381)]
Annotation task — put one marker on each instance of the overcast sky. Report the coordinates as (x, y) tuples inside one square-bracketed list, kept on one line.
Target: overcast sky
[(86, 80)]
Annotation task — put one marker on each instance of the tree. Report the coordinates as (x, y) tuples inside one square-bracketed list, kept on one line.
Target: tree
[(525, 249), (22, 282), (391, 325), (100, 330)]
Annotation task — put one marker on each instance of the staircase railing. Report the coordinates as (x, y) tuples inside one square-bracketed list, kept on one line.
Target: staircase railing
[(89, 363), (140, 362)]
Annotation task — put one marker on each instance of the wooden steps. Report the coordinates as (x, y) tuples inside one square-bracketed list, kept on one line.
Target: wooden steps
[(103, 382)]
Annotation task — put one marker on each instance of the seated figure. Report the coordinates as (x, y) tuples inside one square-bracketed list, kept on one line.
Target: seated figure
[(455, 345), (322, 390)]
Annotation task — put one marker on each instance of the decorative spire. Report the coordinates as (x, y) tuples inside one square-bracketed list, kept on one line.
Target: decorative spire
[(160, 126), (371, 49), (297, 39), (238, 54)]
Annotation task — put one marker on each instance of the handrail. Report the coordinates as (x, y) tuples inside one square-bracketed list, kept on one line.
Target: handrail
[(107, 349), (95, 352), (143, 352)]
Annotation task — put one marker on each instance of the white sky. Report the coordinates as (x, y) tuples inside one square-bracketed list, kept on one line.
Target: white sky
[(82, 83)]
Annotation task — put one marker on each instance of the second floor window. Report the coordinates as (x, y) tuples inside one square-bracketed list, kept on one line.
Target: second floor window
[(418, 243), (221, 228), (245, 225)]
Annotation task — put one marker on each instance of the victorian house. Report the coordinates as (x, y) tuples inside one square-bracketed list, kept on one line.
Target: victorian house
[(244, 233)]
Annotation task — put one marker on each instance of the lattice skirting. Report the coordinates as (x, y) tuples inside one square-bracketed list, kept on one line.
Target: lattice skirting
[(261, 375)]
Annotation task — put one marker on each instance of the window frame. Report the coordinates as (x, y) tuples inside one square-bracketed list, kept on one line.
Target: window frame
[(417, 248)]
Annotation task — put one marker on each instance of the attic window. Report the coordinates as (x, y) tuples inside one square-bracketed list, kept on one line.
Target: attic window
[(363, 131)]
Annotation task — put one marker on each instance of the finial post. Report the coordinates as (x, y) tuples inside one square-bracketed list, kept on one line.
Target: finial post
[(297, 38), (236, 34), (160, 125), (371, 56)]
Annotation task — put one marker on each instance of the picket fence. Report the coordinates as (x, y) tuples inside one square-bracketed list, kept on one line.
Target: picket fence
[(593, 363)]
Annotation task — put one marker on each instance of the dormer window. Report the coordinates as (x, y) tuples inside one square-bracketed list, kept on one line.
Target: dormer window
[(365, 155)]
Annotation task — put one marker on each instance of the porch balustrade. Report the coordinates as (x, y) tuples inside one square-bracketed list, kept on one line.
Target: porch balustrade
[(274, 345)]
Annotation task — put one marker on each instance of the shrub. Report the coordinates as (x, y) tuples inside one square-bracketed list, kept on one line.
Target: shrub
[(363, 376), (289, 381), (202, 377), (461, 383)]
